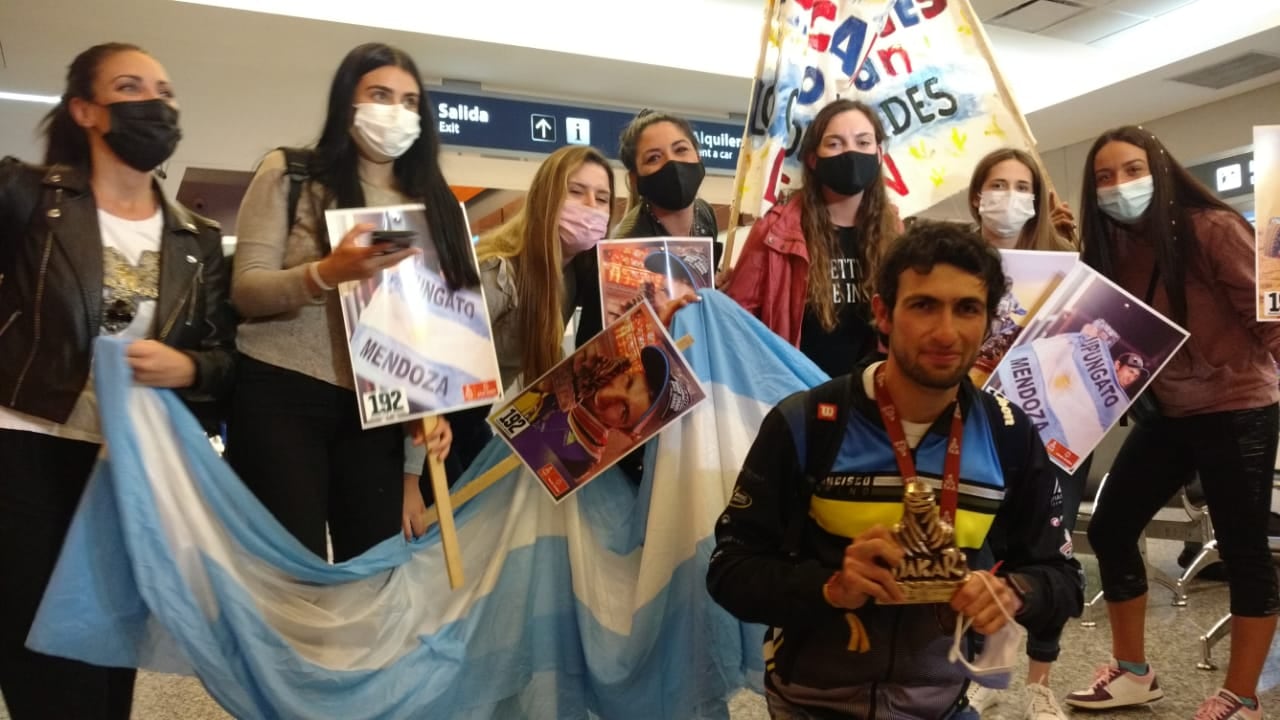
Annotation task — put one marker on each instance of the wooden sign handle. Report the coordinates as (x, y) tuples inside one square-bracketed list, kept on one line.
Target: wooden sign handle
[(444, 509)]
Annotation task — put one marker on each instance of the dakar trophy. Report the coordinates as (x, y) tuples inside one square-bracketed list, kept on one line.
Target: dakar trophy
[(933, 567)]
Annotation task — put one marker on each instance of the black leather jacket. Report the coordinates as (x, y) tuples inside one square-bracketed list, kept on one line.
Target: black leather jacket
[(51, 275)]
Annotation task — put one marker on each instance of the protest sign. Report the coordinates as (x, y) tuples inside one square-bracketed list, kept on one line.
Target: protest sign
[(1033, 275), (618, 390), (1266, 203), (926, 68), (659, 270), (1082, 361), (417, 347)]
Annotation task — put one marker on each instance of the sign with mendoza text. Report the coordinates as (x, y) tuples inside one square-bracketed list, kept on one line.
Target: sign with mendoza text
[(417, 346)]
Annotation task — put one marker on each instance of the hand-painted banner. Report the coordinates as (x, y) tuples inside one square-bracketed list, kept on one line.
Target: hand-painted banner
[(1082, 361), (1266, 193), (924, 65), (417, 347)]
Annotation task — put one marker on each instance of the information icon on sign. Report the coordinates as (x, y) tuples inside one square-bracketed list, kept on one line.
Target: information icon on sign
[(543, 127), (577, 131)]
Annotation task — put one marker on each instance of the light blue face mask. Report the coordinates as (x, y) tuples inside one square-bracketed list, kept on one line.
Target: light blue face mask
[(1127, 202)]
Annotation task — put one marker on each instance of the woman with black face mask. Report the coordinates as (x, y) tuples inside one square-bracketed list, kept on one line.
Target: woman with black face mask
[(807, 265), (90, 246), (664, 172)]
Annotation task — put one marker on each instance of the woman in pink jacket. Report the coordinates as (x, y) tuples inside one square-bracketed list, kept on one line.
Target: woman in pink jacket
[(807, 265)]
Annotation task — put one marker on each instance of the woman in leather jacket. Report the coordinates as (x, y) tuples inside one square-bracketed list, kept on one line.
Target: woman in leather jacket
[(89, 246)]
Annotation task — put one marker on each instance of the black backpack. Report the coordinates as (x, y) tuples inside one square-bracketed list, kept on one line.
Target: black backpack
[(817, 418)]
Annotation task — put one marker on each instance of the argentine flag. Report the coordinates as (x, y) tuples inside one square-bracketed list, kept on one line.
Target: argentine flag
[(1067, 386), (595, 607)]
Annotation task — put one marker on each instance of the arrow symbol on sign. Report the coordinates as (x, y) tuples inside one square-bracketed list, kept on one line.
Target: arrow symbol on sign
[(543, 127)]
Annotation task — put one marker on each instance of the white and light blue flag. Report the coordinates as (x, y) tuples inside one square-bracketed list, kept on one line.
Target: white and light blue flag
[(596, 607)]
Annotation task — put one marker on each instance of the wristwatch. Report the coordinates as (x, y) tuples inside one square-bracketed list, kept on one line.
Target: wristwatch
[(1021, 587)]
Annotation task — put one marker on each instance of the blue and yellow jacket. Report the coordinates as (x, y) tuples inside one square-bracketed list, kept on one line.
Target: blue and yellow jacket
[(884, 661)]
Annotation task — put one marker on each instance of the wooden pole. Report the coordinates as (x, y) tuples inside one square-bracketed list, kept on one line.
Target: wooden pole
[(444, 509), (744, 153)]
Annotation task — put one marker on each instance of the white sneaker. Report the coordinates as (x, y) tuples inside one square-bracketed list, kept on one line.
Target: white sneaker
[(1114, 687), (983, 698), (1041, 704), (1225, 705)]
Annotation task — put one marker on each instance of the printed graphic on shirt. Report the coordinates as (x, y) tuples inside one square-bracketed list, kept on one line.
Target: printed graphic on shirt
[(127, 287)]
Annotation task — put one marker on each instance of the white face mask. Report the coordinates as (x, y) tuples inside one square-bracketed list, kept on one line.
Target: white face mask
[(1006, 212), (994, 666), (386, 130), (1127, 202)]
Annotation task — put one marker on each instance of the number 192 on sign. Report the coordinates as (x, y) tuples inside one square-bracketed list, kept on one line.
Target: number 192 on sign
[(384, 404)]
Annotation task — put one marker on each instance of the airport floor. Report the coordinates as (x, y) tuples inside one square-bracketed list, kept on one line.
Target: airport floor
[(1172, 641)]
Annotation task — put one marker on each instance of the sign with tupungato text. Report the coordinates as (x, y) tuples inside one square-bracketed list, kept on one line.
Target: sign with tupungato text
[(924, 66), (1082, 361), (417, 347)]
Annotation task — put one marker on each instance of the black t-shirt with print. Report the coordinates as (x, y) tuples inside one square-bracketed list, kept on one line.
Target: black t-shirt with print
[(853, 337)]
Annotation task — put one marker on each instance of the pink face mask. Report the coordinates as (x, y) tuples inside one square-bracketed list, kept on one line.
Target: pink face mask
[(580, 228)]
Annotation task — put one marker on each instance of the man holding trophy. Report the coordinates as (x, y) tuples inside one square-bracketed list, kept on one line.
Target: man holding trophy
[(884, 521)]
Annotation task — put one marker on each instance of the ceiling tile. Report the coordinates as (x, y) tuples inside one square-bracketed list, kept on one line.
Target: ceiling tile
[(1093, 25), (1037, 16), (987, 9), (1147, 8)]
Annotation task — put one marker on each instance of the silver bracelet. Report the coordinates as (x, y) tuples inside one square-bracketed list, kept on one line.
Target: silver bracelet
[(313, 271)]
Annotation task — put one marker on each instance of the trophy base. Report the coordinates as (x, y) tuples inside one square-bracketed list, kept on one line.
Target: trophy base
[(925, 592)]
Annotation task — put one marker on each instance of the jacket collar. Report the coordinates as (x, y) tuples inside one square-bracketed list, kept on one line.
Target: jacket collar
[(75, 180), (967, 395)]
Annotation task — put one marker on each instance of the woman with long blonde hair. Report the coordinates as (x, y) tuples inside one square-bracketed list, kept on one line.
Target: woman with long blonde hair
[(528, 285)]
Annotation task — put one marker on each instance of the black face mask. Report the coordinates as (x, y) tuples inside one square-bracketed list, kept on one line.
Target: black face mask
[(674, 186), (848, 173), (143, 133)]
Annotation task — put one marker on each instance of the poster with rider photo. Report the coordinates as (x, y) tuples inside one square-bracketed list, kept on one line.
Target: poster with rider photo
[(417, 348), (615, 392), (1266, 204), (659, 270), (1084, 358), (1033, 276)]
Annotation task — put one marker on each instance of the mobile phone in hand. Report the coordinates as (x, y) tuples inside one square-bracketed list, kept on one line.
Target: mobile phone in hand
[(389, 241)]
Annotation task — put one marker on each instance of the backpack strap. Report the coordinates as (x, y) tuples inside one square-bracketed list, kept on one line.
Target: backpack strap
[(817, 419), (297, 167)]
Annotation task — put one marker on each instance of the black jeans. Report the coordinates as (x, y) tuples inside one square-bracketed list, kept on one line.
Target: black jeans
[(296, 443), (1234, 453), (41, 481)]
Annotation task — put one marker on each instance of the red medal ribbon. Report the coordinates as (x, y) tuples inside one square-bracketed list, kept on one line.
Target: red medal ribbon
[(907, 464)]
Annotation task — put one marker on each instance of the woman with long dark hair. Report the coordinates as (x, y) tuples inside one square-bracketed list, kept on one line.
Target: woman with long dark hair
[(91, 246), (1155, 230), (807, 266), (295, 436)]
